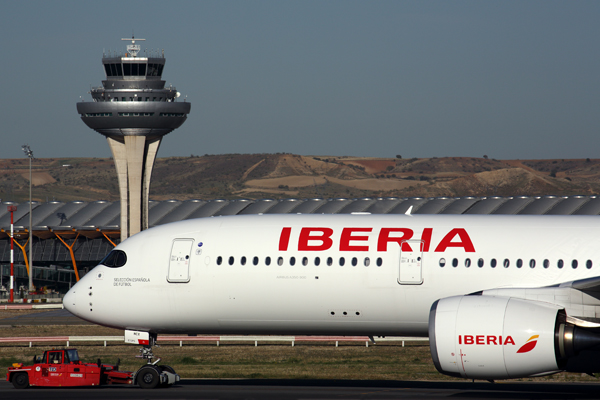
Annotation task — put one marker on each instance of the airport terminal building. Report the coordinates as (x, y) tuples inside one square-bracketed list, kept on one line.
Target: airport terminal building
[(71, 238)]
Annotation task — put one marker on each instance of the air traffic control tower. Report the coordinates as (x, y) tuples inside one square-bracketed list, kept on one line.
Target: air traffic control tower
[(134, 110)]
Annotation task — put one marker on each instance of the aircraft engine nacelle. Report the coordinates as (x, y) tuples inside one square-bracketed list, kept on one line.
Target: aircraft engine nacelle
[(488, 337)]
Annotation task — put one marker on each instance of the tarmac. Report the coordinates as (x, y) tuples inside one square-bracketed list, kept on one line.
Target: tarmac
[(50, 317)]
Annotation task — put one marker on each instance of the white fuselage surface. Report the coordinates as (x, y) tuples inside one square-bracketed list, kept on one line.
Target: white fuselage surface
[(329, 274)]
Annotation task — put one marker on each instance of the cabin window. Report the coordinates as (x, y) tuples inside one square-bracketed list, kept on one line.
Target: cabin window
[(574, 264), (588, 264), (114, 259), (268, 260), (506, 263), (329, 261), (546, 263), (243, 260), (342, 261), (442, 262), (455, 262), (55, 357), (519, 263), (317, 261), (367, 261), (480, 263), (280, 261), (560, 264), (467, 262), (532, 263), (72, 355), (305, 261), (292, 260), (354, 261), (493, 263), (219, 260), (231, 260), (379, 262), (255, 260)]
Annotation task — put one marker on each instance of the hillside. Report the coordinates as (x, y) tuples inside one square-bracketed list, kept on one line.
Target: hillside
[(288, 175)]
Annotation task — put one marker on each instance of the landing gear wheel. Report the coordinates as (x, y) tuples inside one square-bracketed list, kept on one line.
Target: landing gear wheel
[(20, 380), (147, 377), (166, 368)]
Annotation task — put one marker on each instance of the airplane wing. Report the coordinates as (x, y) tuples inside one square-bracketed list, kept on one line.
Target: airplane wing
[(590, 286)]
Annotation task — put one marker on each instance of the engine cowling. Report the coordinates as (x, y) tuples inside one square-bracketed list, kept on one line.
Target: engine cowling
[(488, 337)]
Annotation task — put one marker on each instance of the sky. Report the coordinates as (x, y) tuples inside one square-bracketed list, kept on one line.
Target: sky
[(507, 79)]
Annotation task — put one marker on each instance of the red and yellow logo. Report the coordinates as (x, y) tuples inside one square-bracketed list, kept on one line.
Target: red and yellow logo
[(529, 344)]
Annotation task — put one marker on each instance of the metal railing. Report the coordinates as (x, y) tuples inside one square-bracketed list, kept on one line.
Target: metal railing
[(162, 339)]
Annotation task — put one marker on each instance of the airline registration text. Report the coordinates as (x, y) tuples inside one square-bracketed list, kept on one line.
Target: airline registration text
[(356, 239)]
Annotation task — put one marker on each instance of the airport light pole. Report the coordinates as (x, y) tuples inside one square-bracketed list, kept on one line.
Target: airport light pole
[(12, 209), (29, 153)]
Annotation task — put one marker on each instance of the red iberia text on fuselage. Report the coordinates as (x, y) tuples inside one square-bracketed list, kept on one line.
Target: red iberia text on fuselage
[(357, 239)]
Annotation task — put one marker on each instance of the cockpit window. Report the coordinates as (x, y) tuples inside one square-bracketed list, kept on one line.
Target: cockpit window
[(115, 259)]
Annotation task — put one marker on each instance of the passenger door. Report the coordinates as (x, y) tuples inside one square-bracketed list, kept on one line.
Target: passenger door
[(411, 263), (179, 262)]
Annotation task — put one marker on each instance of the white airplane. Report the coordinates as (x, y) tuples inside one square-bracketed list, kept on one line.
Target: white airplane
[(499, 297)]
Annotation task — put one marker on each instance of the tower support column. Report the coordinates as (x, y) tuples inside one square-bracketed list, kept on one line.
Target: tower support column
[(134, 158)]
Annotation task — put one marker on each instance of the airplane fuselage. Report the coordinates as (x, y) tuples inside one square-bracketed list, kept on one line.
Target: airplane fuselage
[(328, 274)]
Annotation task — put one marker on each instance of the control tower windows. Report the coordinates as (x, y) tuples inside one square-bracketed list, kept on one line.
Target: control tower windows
[(98, 114), (113, 69), (134, 69), (126, 114), (152, 70), (155, 69)]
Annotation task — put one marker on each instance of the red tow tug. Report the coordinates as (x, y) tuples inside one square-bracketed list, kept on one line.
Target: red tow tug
[(59, 368)]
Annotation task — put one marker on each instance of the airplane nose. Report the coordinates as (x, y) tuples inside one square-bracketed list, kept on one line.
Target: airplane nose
[(69, 301)]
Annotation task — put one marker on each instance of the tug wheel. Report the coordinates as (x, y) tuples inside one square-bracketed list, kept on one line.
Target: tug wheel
[(147, 377), (20, 380)]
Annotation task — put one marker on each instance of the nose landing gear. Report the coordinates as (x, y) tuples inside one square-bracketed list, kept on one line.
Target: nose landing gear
[(150, 375)]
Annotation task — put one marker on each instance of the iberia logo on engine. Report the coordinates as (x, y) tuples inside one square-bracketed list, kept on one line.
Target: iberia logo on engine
[(529, 345), (485, 340), (497, 340)]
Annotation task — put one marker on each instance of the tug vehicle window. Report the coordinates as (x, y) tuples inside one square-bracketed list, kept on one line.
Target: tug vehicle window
[(72, 355), (115, 259)]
